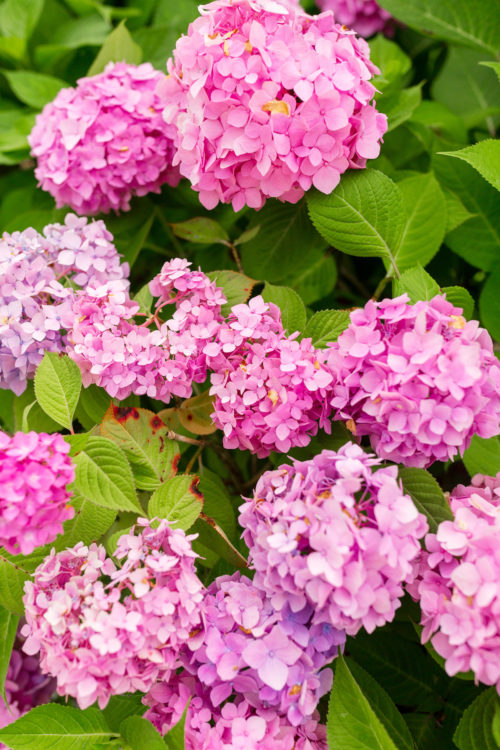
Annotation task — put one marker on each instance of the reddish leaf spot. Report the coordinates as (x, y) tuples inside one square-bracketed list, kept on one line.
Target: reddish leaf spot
[(175, 462), (123, 413), (193, 488), (156, 424)]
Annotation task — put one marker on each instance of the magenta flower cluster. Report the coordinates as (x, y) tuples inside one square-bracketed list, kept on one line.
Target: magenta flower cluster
[(267, 101), (35, 471), (366, 17), (33, 297), (105, 141), (270, 390), (103, 630), (458, 584), (419, 379), (336, 535)]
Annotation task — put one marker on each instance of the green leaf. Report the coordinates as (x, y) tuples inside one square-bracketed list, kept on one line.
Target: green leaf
[(135, 245), (393, 63), (438, 118), (483, 456), (140, 734), (400, 106), (178, 500), (88, 524), (104, 477), (8, 629), (475, 730), (426, 731), (201, 230), (194, 414), (363, 216), (427, 495), (455, 210), (493, 65), (425, 220), (33, 89), (417, 284), (247, 235), (460, 297), (236, 286), (293, 312), (315, 278), (95, 402), (19, 19), (326, 326), (352, 723), (144, 299), (456, 20), (495, 727), (57, 387), (484, 157), (146, 442), (14, 572), (118, 47), (212, 536), (120, 707), (56, 727), (175, 738), (217, 502), (489, 303)]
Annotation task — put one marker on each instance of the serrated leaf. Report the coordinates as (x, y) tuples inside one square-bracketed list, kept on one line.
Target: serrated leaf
[(56, 727), (217, 502), (475, 730), (364, 215), (175, 738), (326, 326), (493, 65), (417, 284), (118, 47), (104, 477), (88, 524), (179, 500), (146, 442), (140, 734), (95, 401), (460, 297), (426, 494), (120, 707), (483, 456), (425, 220), (57, 387), (33, 89), (352, 723), (400, 105), (484, 157), (213, 537), (455, 210), (236, 286), (8, 628), (293, 311), (489, 302), (201, 230), (15, 570), (194, 414)]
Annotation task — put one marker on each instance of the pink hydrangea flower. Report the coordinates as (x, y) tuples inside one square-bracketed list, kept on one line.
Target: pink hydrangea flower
[(270, 390), (366, 17), (101, 143), (268, 101), (103, 630), (35, 471), (458, 584), (333, 534), (419, 379)]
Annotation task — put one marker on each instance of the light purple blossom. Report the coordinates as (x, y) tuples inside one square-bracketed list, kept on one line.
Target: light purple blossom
[(366, 17)]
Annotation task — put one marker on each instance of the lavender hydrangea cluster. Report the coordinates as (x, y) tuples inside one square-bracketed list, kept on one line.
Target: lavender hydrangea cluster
[(270, 389), (101, 143), (419, 379), (366, 17), (33, 298), (104, 630), (35, 472), (458, 584), (336, 535), (267, 101)]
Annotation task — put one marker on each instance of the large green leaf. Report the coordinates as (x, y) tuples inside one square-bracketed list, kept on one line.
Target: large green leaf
[(460, 297), (217, 502), (417, 284), (88, 524), (57, 387), (18, 19), (475, 730), (426, 494), (179, 500), (326, 326), (201, 230), (195, 414), (175, 737), (483, 456), (56, 727), (393, 63), (400, 105), (118, 47), (483, 156), (293, 312), (8, 628), (236, 286), (33, 89), (315, 277), (489, 302), (14, 572), (140, 734)]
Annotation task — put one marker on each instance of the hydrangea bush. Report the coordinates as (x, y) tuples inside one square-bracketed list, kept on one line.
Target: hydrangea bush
[(249, 377)]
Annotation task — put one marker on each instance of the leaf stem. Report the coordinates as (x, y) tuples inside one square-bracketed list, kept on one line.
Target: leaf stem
[(382, 285)]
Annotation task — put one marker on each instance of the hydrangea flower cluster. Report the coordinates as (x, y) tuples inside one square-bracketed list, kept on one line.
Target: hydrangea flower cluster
[(333, 534), (267, 101), (458, 585), (123, 357), (366, 17), (418, 379), (33, 300), (270, 390), (103, 630), (35, 471), (105, 141)]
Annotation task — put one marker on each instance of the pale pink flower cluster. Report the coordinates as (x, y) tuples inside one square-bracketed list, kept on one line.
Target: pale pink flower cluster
[(33, 299), (35, 471), (268, 101), (333, 534), (270, 389), (124, 357), (366, 17), (103, 630), (101, 143), (458, 586), (419, 379)]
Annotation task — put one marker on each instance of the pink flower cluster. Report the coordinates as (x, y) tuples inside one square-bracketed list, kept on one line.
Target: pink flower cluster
[(267, 101), (458, 586), (333, 534), (123, 357), (418, 379), (270, 390), (103, 630), (35, 471), (105, 141), (33, 299), (366, 17)]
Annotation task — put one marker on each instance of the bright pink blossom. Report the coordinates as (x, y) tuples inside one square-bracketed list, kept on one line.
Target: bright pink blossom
[(268, 101), (101, 143), (419, 379), (335, 535), (366, 17)]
